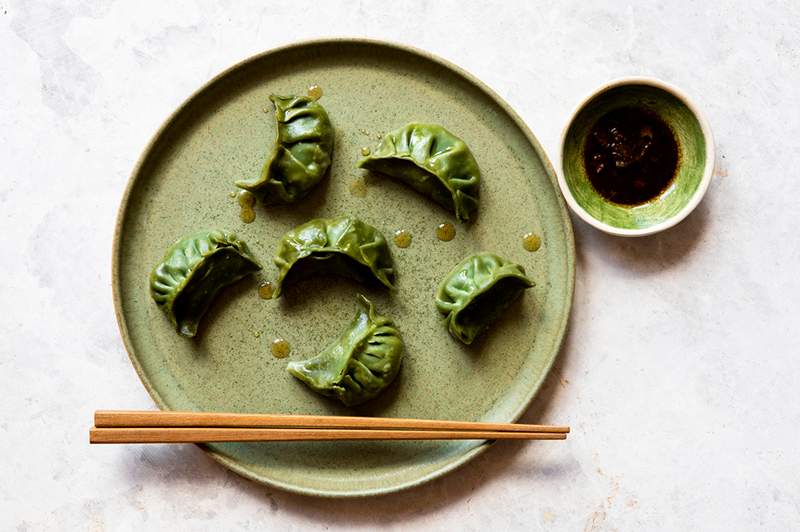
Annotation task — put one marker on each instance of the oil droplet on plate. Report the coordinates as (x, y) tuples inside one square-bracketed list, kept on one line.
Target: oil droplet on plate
[(531, 242), (257, 334), (246, 201), (445, 232), (265, 110), (365, 151), (280, 348), (402, 238), (232, 194), (315, 92), (358, 188), (247, 215), (265, 290), (246, 198)]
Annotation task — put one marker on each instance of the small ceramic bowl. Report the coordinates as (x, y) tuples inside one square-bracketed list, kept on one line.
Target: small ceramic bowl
[(692, 177)]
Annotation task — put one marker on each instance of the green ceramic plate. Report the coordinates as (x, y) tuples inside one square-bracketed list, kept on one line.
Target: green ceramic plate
[(221, 134)]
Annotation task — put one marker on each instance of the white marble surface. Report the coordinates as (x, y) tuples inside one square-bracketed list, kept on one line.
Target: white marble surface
[(680, 372)]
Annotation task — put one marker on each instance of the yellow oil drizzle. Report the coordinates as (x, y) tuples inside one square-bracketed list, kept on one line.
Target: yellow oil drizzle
[(280, 348), (247, 201), (445, 232), (531, 242), (266, 290), (358, 188), (402, 238), (315, 92), (247, 215)]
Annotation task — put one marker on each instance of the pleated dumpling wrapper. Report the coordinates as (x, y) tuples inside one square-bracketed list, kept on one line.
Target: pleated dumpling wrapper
[(432, 161), (360, 364), (194, 269), (301, 154), (477, 291), (343, 245)]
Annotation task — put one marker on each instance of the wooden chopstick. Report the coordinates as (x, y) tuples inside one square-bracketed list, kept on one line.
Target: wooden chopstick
[(171, 419), (243, 434)]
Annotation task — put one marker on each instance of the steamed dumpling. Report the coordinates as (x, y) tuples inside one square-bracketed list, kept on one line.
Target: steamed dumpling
[(432, 161), (345, 246), (193, 270), (360, 364), (301, 155), (477, 291)]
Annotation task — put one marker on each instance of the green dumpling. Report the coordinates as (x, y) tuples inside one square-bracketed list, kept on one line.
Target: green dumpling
[(301, 155), (343, 245), (360, 364), (477, 291), (193, 270), (432, 161)]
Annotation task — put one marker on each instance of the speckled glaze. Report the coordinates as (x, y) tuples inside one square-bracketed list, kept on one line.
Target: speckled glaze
[(695, 164), (217, 136)]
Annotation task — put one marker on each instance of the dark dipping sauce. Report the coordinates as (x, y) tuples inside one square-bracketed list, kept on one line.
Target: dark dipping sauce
[(630, 155)]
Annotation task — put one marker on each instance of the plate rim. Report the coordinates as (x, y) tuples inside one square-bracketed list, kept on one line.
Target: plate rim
[(311, 43)]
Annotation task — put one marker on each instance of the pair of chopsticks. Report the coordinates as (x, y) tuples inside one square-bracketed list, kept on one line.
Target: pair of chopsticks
[(112, 426)]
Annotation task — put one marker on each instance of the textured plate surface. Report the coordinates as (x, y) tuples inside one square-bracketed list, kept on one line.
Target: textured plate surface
[(221, 134)]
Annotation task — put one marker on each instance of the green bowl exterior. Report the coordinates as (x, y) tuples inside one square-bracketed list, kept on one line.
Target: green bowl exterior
[(691, 164)]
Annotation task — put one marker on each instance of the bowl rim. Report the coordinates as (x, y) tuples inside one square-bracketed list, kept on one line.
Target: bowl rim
[(697, 196)]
